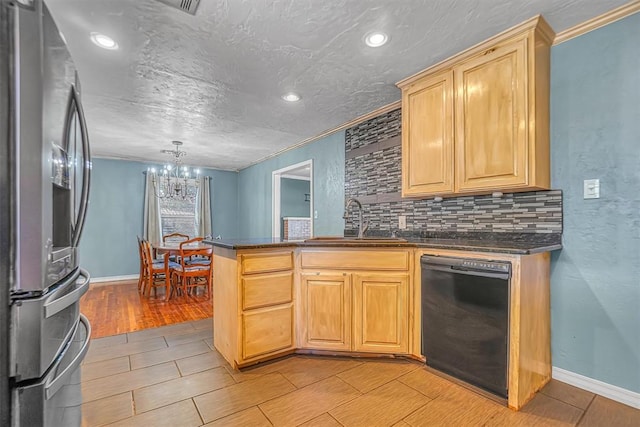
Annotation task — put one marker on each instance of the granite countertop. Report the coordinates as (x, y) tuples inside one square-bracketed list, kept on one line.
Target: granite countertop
[(507, 243)]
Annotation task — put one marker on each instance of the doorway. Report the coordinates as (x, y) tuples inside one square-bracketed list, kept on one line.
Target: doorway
[(293, 191)]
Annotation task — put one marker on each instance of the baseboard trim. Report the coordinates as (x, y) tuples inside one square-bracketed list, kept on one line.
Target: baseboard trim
[(108, 279), (610, 391)]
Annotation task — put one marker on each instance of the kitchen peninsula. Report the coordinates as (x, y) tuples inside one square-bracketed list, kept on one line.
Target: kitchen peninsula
[(362, 297)]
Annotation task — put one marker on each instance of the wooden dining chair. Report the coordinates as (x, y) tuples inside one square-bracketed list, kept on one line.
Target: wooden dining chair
[(154, 270), (175, 238), (143, 270), (193, 268)]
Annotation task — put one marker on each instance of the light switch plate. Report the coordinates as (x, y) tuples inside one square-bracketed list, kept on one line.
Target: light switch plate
[(402, 222), (315, 214), (591, 188)]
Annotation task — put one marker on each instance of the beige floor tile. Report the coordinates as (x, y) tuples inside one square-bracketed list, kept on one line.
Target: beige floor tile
[(203, 324), (309, 402), (302, 371), (145, 334), (108, 341), (107, 410), (568, 394), (201, 362), (91, 371), (183, 414), (118, 350), (425, 382), (371, 375), (209, 342), (119, 383), (606, 412), (155, 357), (172, 391), (251, 373), (238, 397), (385, 405), (188, 337), (252, 417), (456, 406), (541, 411), (324, 420)]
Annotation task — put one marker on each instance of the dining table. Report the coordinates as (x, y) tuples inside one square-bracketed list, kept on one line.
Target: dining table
[(167, 249)]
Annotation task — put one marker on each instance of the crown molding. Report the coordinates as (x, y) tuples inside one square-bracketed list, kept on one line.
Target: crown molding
[(385, 109), (598, 22)]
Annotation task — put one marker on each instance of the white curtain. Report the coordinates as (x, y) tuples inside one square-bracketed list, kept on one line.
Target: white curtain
[(152, 223), (203, 208)]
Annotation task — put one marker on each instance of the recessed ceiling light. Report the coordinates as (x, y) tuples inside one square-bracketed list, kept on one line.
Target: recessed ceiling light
[(376, 39), (291, 97), (103, 41)]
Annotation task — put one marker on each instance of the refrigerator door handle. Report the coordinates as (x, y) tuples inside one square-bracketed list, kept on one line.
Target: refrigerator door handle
[(63, 378), (57, 305), (74, 103)]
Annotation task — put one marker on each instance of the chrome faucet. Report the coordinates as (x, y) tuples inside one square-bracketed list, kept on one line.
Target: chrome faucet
[(362, 226)]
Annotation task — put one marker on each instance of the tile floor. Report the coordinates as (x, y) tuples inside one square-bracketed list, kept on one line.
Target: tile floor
[(172, 376)]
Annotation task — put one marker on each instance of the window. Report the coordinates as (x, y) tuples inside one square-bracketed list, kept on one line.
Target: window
[(178, 216)]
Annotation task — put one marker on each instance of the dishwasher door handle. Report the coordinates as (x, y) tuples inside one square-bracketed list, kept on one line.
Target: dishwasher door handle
[(467, 271)]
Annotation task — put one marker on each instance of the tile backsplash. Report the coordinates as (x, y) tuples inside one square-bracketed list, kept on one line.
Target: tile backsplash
[(373, 176)]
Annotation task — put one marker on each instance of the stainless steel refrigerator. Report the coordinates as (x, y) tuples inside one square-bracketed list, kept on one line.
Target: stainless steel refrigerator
[(44, 188)]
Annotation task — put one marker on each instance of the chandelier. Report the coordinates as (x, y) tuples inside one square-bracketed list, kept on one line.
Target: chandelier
[(174, 180)]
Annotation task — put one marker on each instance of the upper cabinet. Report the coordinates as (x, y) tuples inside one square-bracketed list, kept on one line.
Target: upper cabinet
[(479, 121), (427, 135)]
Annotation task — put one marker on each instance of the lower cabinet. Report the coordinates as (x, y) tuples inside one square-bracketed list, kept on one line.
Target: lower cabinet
[(365, 312), (380, 312)]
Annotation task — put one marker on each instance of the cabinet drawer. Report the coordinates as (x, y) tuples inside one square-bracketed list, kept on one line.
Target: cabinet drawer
[(374, 260), (261, 290), (264, 263), (267, 331)]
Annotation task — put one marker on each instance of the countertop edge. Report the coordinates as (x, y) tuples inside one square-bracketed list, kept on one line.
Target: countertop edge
[(462, 246)]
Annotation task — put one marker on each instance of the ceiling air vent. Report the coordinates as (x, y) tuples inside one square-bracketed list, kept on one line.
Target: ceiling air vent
[(188, 6)]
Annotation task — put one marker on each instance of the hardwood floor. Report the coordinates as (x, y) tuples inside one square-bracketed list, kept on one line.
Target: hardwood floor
[(117, 307), (173, 376)]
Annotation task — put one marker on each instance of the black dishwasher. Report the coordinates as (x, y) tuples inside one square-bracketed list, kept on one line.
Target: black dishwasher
[(465, 319)]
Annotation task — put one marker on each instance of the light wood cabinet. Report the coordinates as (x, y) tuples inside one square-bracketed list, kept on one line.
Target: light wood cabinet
[(327, 311), (355, 300), (491, 108), (495, 97), (253, 304), (380, 318), (427, 137), (267, 331)]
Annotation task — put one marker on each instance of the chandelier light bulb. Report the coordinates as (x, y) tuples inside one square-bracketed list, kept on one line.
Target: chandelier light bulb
[(153, 170)]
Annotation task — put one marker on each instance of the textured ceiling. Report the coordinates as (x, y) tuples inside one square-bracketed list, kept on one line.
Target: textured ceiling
[(214, 80)]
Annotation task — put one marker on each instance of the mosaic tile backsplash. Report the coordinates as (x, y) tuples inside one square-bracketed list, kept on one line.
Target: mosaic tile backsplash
[(373, 176)]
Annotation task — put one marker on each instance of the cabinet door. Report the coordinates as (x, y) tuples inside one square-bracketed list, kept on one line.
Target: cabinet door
[(427, 136), (491, 120), (326, 311), (381, 318)]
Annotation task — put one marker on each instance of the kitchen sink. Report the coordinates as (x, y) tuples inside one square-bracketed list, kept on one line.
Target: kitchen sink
[(339, 239)]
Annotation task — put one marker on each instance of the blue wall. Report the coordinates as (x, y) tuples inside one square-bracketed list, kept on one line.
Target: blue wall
[(292, 197), (254, 188), (114, 218), (595, 133)]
